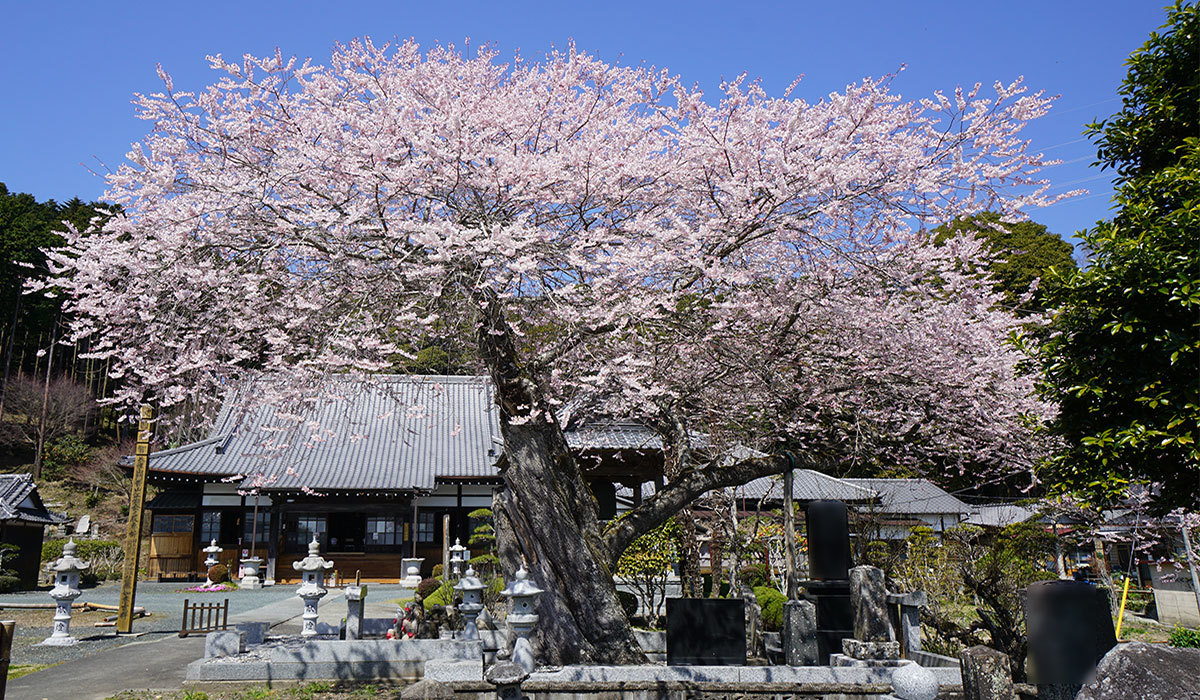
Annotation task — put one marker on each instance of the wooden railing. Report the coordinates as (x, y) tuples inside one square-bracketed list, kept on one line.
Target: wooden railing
[(204, 617)]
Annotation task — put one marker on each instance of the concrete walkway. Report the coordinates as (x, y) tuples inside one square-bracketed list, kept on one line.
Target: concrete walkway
[(156, 661)]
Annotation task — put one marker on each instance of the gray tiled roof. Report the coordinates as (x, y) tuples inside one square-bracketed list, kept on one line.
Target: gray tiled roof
[(393, 432), (1000, 515), (613, 435), (14, 489), (912, 496), (807, 485)]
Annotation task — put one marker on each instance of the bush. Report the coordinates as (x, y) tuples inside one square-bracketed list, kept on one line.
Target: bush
[(8, 582), (427, 586), (443, 596), (754, 576), (438, 570), (218, 573), (1184, 637), (771, 601), (105, 556)]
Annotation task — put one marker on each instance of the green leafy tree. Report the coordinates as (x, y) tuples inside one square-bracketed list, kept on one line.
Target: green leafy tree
[(1123, 362), (646, 565), (1025, 253)]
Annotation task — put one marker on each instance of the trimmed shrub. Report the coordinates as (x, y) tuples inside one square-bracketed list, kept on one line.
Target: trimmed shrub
[(1184, 637), (427, 586), (218, 573), (771, 601), (438, 570)]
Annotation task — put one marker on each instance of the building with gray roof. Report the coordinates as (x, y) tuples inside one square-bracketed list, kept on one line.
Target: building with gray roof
[(23, 521)]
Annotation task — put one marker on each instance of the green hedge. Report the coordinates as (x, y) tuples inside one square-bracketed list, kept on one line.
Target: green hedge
[(86, 549)]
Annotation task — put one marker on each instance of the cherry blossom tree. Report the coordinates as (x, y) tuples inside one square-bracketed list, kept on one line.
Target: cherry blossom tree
[(742, 264)]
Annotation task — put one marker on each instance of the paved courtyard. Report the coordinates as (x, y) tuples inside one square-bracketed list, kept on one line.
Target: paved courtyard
[(102, 664)]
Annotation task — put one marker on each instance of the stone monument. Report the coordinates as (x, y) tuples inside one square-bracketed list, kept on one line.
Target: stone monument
[(356, 597), (66, 590), (312, 568)]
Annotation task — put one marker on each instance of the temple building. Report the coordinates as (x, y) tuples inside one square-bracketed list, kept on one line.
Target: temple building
[(374, 469)]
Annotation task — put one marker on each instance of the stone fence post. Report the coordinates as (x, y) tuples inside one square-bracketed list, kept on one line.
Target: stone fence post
[(986, 674), (905, 613)]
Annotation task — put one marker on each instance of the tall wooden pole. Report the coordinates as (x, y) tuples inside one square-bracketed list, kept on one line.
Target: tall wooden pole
[(133, 526), (789, 532)]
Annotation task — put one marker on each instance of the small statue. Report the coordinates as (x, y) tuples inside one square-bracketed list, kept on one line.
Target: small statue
[(435, 622), (413, 622)]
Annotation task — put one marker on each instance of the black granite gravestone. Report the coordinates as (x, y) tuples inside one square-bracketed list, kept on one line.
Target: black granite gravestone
[(703, 631), (1070, 629), (828, 529)]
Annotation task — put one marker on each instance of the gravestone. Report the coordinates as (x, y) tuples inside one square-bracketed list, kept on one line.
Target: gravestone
[(1070, 629), (799, 637), (84, 526), (705, 631), (828, 528), (986, 674), (868, 600)]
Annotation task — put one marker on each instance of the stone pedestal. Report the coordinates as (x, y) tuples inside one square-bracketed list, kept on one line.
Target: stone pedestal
[(250, 568), (356, 596), (799, 636), (868, 600), (986, 674), (66, 589)]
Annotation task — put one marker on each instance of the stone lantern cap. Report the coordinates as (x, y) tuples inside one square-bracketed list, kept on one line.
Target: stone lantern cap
[(470, 582), (212, 547), (458, 551), (314, 561), (521, 586), (68, 563)]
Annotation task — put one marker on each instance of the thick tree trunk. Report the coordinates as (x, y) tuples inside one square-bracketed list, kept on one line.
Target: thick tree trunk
[(548, 516)]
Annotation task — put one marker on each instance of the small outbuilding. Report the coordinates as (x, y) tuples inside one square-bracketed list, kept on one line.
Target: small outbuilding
[(23, 520)]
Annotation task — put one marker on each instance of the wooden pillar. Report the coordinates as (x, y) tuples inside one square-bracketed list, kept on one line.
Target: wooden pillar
[(133, 526)]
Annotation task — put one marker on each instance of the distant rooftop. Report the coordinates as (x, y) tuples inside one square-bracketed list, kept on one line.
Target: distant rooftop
[(912, 496)]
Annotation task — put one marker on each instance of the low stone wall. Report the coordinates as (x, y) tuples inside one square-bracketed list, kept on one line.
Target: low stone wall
[(347, 660)]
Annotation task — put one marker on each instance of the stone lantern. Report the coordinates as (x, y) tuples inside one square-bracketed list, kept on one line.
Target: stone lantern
[(66, 590), (521, 617), (458, 556), (472, 604), (212, 550), (312, 568)]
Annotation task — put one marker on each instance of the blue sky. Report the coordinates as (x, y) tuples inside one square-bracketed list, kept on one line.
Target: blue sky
[(69, 69)]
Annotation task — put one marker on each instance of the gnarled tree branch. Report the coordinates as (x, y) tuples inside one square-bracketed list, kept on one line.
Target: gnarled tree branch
[(679, 493)]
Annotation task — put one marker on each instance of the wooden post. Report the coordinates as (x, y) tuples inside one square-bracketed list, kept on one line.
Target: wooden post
[(446, 547), (133, 526), (789, 532), (7, 629)]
